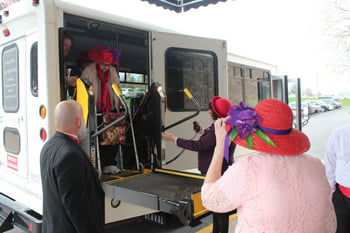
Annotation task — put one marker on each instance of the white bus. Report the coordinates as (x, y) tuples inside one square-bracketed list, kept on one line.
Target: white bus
[(32, 83), (32, 78)]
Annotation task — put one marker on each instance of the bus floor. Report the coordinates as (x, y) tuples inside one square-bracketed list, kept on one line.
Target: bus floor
[(141, 225)]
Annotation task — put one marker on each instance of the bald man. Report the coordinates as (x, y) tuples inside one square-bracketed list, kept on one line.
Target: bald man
[(73, 199)]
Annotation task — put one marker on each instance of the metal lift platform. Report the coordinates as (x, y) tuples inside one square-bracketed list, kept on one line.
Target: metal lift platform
[(168, 191)]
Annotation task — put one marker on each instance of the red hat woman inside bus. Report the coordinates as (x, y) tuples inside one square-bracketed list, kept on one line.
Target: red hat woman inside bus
[(101, 73)]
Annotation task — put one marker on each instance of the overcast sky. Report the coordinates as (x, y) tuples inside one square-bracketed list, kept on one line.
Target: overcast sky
[(281, 32)]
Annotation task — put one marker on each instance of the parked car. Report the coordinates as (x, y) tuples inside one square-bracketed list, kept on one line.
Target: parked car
[(313, 107), (128, 93), (140, 92), (338, 103), (320, 107), (337, 100), (324, 105), (335, 104), (305, 114), (293, 106)]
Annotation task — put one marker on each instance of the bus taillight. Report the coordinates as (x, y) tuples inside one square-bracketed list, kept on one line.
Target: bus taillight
[(6, 32), (35, 2), (43, 134), (42, 111)]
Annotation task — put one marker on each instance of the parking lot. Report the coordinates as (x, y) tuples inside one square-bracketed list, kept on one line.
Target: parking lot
[(321, 125)]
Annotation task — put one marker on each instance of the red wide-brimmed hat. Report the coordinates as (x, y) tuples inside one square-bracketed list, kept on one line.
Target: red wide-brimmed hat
[(267, 128), (220, 106), (103, 54)]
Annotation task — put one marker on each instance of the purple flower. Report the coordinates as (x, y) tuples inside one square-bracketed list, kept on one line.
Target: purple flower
[(244, 119), (115, 54)]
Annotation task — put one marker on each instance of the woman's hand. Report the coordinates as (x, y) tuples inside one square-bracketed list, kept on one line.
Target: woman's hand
[(72, 81), (220, 131), (168, 136)]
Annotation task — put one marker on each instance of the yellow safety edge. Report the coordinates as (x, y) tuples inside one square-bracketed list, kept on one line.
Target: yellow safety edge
[(198, 208), (83, 98), (119, 177), (179, 173)]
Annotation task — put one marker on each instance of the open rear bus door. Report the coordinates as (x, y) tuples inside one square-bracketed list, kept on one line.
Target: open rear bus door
[(168, 191)]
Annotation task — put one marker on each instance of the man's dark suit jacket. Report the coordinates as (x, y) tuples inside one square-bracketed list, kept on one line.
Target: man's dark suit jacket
[(73, 199), (205, 146)]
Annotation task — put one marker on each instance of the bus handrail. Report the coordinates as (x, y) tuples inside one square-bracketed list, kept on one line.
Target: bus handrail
[(196, 104), (118, 93)]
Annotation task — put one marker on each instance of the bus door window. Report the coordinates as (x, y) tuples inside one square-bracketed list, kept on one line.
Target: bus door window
[(192, 69)]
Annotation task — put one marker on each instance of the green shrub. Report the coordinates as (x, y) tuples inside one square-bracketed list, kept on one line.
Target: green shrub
[(345, 102)]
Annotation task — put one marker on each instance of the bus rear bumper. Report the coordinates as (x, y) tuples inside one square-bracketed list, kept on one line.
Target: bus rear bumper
[(12, 213)]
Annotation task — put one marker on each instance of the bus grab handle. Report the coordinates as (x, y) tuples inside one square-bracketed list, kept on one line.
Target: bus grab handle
[(118, 93), (195, 103)]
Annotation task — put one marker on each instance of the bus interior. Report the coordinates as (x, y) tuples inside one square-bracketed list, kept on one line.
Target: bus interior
[(133, 71)]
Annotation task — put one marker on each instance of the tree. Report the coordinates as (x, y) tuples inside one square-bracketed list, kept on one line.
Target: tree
[(308, 92), (292, 89), (336, 34)]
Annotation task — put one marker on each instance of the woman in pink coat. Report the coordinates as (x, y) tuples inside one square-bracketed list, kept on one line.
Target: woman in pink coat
[(277, 189)]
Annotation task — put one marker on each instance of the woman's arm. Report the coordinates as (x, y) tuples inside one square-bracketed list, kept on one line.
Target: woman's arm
[(221, 193), (214, 171)]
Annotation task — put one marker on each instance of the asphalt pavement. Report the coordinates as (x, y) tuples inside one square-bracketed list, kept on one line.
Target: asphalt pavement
[(321, 125)]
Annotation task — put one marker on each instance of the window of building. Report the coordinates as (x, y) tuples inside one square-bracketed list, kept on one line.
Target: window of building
[(237, 72)]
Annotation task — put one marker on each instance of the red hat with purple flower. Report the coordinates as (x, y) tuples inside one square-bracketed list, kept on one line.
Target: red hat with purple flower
[(103, 54), (267, 128)]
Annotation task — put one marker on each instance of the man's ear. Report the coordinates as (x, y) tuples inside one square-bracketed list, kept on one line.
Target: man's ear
[(78, 122)]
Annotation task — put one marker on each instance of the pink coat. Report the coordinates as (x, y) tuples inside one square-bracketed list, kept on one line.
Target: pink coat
[(274, 194)]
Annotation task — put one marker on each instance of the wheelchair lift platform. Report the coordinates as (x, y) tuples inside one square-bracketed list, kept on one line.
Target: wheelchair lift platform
[(168, 191)]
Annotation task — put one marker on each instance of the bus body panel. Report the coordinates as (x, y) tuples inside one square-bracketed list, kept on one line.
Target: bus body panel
[(161, 43)]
